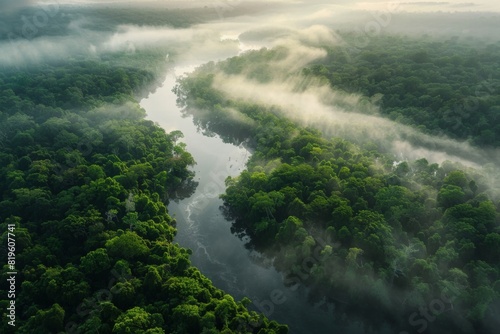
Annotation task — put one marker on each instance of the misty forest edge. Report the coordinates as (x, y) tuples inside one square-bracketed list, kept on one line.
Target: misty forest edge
[(95, 250)]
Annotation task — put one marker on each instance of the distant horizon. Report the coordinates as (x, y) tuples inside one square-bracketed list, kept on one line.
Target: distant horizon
[(376, 5)]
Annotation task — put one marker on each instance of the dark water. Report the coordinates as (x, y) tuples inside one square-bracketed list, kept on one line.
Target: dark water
[(219, 254)]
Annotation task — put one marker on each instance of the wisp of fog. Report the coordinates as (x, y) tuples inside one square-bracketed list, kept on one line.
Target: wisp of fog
[(299, 27)]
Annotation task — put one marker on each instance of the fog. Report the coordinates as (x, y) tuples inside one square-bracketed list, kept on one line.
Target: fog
[(301, 27), (454, 5), (320, 106), (269, 22), (308, 107), (9, 6)]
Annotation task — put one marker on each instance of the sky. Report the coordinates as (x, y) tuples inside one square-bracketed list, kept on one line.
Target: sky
[(301, 26), (10, 5), (408, 5)]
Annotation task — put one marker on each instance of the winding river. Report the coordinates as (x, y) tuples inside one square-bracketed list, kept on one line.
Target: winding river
[(219, 254)]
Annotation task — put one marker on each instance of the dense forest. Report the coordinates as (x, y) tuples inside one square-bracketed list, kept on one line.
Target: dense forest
[(374, 240), (447, 87), (101, 18), (85, 181), (411, 245)]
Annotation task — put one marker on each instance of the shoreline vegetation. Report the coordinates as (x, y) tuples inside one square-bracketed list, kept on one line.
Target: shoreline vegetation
[(85, 180), (374, 236), (378, 237)]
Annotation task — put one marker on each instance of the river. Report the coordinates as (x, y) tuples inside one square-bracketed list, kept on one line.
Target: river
[(219, 254)]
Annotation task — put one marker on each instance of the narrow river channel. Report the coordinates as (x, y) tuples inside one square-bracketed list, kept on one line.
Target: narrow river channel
[(219, 254)]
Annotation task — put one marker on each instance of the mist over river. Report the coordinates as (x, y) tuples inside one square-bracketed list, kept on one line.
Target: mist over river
[(361, 140), (201, 226)]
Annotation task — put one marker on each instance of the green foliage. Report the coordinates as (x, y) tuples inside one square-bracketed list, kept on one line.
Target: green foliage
[(85, 179), (128, 245), (136, 320), (437, 85), (95, 261), (450, 195), (381, 237)]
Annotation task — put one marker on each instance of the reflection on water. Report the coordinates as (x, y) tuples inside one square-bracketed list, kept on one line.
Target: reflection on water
[(201, 226)]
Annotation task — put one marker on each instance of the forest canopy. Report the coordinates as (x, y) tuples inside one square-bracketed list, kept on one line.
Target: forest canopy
[(379, 237), (439, 86), (85, 183), (372, 189)]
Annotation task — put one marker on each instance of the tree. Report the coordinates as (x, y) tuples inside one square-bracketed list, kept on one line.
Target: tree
[(131, 219), (53, 318), (373, 235), (187, 318), (180, 289), (101, 189), (393, 197), (135, 320), (125, 293), (342, 214), (92, 324), (491, 247), (352, 257), (297, 208), (344, 173), (225, 310), (456, 178), (262, 205), (402, 169), (95, 262), (288, 228), (64, 286), (152, 282), (450, 195), (128, 245), (208, 321), (37, 199), (446, 256)]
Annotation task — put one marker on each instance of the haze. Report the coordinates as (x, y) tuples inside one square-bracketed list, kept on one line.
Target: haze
[(302, 27)]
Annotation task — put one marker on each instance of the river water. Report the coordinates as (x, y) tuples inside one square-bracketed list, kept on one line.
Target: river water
[(219, 254)]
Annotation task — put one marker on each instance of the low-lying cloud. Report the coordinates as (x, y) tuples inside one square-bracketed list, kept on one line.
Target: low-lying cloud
[(303, 28), (336, 114), (8, 6)]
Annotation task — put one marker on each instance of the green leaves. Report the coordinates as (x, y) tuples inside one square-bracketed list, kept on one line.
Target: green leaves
[(412, 226), (450, 195), (492, 247), (137, 320), (128, 246), (427, 83), (87, 189), (187, 317), (288, 229), (95, 262)]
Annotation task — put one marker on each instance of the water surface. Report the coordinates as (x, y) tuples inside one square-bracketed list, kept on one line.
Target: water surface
[(220, 255)]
